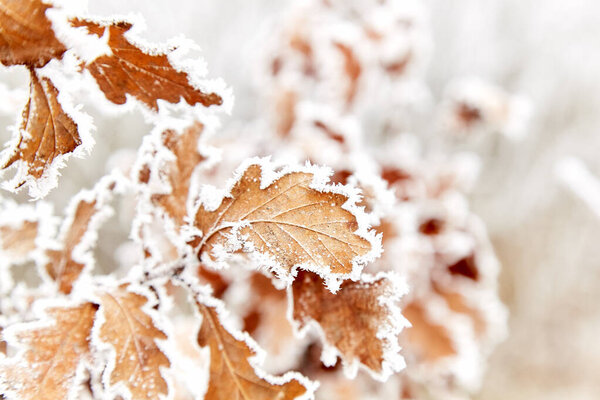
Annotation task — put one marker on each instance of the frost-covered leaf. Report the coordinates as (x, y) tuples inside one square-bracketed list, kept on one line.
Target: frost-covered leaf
[(130, 335), (27, 36), (78, 234), (46, 132), (18, 240), (231, 374), (51, 361), (145, 74), (360, 323), (176, 171), (293, 218)]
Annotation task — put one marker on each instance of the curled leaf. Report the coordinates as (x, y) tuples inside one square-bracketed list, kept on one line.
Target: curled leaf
[(53, 355), (175, 170), (46, 132), (146, 75)]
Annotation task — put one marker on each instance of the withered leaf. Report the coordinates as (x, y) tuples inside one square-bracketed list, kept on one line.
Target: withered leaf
[(179, 171), (148, 76), (429, 341), (46, 130), (289, 221), (18, 241), (87, 209), (26, 35), (61, 266), (48, 366), (354, 320), (231, 375), (131, 332)]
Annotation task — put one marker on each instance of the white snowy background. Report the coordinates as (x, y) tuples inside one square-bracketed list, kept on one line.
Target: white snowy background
[(547, 239)]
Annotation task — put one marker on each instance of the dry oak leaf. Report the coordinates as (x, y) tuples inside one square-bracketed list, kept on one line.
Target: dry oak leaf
[(131, 335), (46, 130), (232, 377), (293, 218), (26, 35), (146, 75), (53, 356), (178, 171), (79, 231), (362, 321)]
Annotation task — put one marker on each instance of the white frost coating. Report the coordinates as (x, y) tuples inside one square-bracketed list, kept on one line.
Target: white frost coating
[(210, 198), (38, 188), (575, 176), (41, 320), (87, 46), (202, 294), (106, 356), (387, 334)]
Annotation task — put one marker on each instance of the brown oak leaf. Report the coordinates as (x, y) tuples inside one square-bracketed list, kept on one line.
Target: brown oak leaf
[(231, 375), (131, 333), (179, 171), (26, 35), (87, 210), (361, 320), (148, 76), (289, 221), (46, 130), (50, 363)]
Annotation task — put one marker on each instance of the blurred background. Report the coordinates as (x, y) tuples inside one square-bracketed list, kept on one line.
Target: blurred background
[(542, 55)]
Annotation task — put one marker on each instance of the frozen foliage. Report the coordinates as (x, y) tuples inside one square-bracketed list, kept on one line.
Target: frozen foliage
[(251, 270)]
